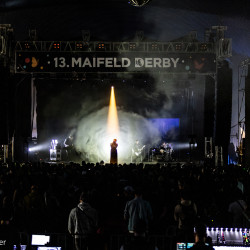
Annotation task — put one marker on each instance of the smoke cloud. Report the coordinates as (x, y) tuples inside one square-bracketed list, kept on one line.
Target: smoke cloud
[(93, 141)]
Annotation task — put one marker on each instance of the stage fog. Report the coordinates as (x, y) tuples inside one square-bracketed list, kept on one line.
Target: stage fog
[(152, 109)]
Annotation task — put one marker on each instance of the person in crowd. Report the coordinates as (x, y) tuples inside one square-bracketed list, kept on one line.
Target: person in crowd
[(160, 182), (237, 211), (139, 240), (128, 192), (113, 152), (185, 214), (6, 211), (34, 209), (138, 209), (8, 231), (82, 224), (200, 238)]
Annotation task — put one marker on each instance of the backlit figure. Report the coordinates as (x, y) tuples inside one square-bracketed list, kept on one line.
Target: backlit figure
[(113, 153)]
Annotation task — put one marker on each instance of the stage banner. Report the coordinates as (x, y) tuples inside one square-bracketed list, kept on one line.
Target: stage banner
[(108, 62)]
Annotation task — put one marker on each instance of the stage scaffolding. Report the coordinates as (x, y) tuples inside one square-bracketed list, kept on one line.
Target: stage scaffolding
[(214, 43)]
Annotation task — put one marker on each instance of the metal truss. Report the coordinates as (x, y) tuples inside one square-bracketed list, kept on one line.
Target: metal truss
[(208, 147), (5, 33), (77, 46), (218, 156), (138, 3), (224, 48), (242, 74)]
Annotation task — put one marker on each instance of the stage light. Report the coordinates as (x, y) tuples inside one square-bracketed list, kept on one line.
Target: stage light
[(55, 153), (56, 45), (132, 46), (178, 47), (27, 46), (138, 3), (101, 46), (203, 47), (154, 46), (54, 143), (79, 45)]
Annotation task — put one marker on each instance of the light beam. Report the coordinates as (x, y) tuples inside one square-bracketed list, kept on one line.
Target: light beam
[(113, 122)]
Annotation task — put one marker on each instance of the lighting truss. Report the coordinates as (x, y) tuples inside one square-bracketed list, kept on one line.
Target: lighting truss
[(138, 3)]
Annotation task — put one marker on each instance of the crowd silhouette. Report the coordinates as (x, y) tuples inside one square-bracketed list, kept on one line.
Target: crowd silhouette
[(38, 197)]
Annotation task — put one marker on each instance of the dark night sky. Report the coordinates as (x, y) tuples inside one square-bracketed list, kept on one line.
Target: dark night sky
[(116, 19)]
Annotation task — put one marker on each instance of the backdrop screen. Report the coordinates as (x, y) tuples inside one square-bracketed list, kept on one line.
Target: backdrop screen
[(169, 128)]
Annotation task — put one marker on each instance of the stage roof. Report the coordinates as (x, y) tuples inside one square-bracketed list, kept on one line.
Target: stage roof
[(222, 7)]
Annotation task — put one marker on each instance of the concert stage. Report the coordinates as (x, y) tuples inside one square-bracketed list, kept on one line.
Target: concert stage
[(164, 92)]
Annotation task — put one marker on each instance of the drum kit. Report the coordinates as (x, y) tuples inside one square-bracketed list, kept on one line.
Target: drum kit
[(163, 153)]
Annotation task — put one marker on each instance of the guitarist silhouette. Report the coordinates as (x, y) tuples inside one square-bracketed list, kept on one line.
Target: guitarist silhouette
[(137, 152)]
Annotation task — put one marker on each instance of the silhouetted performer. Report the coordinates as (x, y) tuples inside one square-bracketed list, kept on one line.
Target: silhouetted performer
[(137, 152), (113, 154), (69, 146)]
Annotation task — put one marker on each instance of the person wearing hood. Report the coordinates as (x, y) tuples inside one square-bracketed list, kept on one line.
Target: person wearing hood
[(82, 224)]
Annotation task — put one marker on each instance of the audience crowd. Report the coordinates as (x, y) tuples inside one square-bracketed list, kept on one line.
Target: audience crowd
[(38, 197)]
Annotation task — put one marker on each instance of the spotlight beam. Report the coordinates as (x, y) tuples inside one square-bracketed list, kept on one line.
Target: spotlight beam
[(113, 123)]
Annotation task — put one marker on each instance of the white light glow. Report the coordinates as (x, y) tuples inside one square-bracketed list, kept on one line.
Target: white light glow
[(113, 122), (183, 145), (38, 147), (242, 132), (92, 136)]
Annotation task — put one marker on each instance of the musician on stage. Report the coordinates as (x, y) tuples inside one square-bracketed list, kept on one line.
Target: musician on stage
[(166, 151), (163, 147), (137, 152), (69, 146), (113, 152)]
